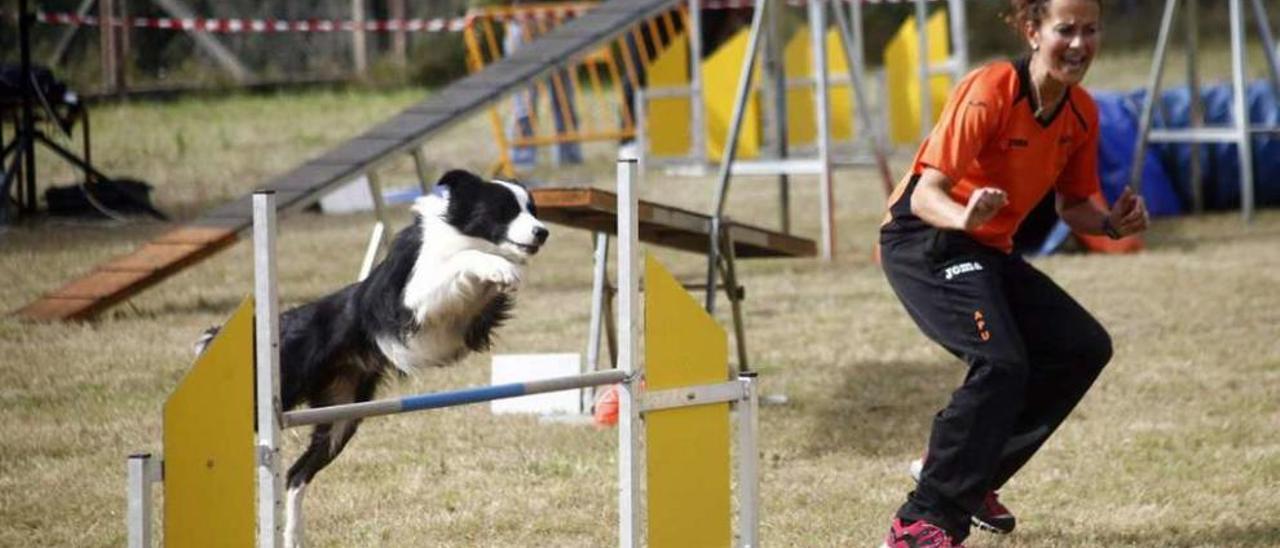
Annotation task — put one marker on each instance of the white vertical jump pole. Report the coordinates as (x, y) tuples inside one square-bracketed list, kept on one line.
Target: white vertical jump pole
[(826, 196), (748, 463), (143, 471), (267, 371), (630, 455)]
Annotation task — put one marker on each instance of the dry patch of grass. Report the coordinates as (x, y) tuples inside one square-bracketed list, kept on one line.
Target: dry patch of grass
[(1175, 446)]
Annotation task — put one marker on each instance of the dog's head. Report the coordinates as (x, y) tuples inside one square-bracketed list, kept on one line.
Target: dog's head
[(501, 213)]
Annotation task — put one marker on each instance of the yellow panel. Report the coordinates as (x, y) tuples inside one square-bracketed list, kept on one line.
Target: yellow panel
[(668, 117), (801, 125), (209, 444), (800, 101), (901, 59), (720, 74), (687, 449), (841, 96)]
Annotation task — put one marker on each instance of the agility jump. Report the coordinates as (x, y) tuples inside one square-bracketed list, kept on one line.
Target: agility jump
[(224, 482)]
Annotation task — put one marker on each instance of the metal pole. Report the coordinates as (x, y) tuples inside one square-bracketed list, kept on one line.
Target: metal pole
[(600, 272), (107, 43), (379, 206), (641, 125), (1240, 111), (959, 39), (922, 44), (371, 251), (68, 34), (630, 455), (731, 149), (360, 59), (267, 361), (1192, 21), (697, 124), (776, 78), (739, 110), (124, 50), (138, 516), (420, 164), (733, 289), (748, 463), (453, 398), (851, 37), (826, 198), (1268, 45), (399, 38), (1153, 93), (26, 135)]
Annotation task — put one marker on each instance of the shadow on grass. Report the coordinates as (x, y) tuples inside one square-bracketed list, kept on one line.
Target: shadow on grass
[(1251, 534), (882, 408), (198, 306)]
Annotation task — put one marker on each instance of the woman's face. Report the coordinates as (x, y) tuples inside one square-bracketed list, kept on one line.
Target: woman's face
[(1067, 38)]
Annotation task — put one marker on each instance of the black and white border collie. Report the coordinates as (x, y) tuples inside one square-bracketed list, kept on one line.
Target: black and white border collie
[(446, 284)]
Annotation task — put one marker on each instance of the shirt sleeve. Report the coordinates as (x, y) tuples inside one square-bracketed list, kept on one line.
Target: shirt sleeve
[(969, 121), (1079, 178)]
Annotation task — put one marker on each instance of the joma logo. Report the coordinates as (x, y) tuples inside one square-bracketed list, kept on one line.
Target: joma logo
[(961, 268)]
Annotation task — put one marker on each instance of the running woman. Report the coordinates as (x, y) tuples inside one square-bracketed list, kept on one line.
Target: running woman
[(1010, 133)]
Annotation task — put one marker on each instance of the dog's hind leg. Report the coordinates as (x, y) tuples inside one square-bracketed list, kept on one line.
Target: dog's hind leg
[(327, 441)]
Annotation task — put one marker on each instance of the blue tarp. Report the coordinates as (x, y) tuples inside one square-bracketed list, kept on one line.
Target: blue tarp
[(1167, 189), (1166, 171)]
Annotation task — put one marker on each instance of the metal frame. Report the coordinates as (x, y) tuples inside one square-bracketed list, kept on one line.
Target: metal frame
[(630, 452), (1240, 131), (955, 65), (267, 373), (740, 393), (143, 472)]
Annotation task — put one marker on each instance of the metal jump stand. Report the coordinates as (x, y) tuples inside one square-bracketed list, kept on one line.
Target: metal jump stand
[(1239, 132), (18, 157)]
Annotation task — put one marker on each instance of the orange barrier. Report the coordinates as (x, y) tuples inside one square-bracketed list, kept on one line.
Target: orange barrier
[(597, 110)]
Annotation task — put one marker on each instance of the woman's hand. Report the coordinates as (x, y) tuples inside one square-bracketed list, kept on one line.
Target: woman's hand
[(1129, 214), (984, 203)]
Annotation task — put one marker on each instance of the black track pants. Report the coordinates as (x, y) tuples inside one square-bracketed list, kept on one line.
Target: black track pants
[(1032, 353)]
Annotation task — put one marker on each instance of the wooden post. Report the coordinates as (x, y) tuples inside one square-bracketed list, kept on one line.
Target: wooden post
[(399, 38), (359, 55), (106, 43), (122, 51)]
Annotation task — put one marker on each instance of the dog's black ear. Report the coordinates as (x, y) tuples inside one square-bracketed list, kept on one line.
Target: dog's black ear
[(456, 178)]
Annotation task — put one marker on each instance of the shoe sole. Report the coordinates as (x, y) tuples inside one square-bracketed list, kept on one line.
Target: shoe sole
[(988, 527)]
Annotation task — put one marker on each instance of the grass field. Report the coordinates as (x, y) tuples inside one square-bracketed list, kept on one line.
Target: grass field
[(1175, 446)]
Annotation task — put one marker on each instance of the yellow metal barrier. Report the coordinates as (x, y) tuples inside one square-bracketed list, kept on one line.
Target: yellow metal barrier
[(580, 103), (902, 62), (798, 60), (209, 444), (687, 449)]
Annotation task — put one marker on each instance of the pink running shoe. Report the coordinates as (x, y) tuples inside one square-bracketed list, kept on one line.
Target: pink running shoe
[(992, 516), (920, 534)]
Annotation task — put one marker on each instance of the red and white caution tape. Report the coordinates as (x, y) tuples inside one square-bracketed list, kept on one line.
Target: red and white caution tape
[(438, 24), (232, 26)]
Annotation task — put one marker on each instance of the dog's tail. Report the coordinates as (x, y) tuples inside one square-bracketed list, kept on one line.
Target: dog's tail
[(205, 338)]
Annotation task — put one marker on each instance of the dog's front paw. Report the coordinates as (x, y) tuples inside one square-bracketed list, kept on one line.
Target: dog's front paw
[(497, 271)]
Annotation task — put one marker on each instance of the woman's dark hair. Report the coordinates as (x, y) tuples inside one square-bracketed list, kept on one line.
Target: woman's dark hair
[(1024, 12)]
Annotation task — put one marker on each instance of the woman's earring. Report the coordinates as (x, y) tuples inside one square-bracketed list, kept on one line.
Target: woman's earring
[(1035, 47)]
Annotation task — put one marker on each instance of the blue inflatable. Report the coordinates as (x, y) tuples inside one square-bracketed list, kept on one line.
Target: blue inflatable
[(1166, 169), (1169, 190)]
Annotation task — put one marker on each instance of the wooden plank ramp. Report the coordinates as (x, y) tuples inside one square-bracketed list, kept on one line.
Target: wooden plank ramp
[(595, 209), (126, 276)]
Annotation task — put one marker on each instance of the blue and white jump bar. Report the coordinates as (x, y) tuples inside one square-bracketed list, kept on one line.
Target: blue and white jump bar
[(436, 400)]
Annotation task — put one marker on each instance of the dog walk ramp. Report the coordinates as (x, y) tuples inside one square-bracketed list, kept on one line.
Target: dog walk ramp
[(121, 278)]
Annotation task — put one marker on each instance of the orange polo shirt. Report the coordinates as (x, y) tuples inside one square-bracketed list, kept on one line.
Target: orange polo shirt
[(988, 136)]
